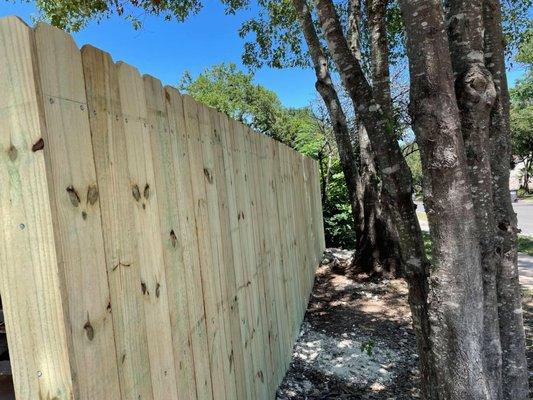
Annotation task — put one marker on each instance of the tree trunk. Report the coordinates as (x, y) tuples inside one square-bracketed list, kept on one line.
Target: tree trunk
[(514, 368), (396, 180), (376, 253), (377, 245), (475, 93), (379, 47), (372, 246), (456, 299), (381, 82)]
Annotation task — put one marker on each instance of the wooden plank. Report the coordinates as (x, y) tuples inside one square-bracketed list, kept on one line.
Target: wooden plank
[(199, 174), (263, 193), (279, 226), (235, 198), (147, 232), (223, 184), (276, 257), (268, 274), (30, 286), (75, 201), (209, 133), (256, 340), (111, 160), (188, 235), (166, 188)]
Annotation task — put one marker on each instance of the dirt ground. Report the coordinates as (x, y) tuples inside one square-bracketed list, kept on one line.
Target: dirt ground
[(356, 341)]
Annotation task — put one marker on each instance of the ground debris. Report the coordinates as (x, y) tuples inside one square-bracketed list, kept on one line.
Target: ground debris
[(356, 341)]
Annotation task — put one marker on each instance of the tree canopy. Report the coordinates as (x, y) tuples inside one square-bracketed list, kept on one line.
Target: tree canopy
[(273, 35)]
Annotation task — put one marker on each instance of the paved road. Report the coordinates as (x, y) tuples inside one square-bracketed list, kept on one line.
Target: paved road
[(524, 212), (523, 209), (525, 269)]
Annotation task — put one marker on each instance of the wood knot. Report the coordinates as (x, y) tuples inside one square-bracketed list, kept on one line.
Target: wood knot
[(73, 196), (92, 194), (173, 238), (208, 175), (144, 289), (38, 145), (147, 191), (12, 153), (136, 192), (157, 290), (89, 330)]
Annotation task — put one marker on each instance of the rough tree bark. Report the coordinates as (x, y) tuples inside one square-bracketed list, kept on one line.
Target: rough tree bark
[(379, 50), (396, 180), (515, 384), (456, 290), (475, 93), (381, 83), (377, 251)]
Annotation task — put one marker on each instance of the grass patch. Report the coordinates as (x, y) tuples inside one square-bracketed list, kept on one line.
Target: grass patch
[(525, 245)]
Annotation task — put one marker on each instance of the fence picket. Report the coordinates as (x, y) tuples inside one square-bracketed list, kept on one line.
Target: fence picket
[(143, 197)]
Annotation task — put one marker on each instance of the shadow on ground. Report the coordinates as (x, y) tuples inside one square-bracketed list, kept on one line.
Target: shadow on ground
[(356, 341)]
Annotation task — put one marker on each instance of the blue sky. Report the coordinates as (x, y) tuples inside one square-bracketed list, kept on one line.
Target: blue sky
[(167, 49)]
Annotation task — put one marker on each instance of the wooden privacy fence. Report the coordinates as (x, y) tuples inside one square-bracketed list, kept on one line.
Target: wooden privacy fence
[(151, 248)]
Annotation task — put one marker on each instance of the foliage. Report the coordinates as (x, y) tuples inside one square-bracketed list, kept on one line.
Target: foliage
[(521, 193), (368, 347), (73, 15), (274, 32), (525, 49), (338, 222), (516, 23), (233, 92), (525, 245), (412, 156), (522, 106)]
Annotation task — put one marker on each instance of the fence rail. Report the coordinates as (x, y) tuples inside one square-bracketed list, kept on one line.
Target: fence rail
[(150, 247)]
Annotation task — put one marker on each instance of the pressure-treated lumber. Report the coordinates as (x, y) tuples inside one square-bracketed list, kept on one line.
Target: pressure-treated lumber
[(77, 224), (170, 224), (122, 261), (188, 236), (30, 283), (151, 247), (147, 231)]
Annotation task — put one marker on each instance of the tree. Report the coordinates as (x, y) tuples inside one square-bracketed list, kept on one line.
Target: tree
[(522, 112), (233, 92), (453, 120)]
